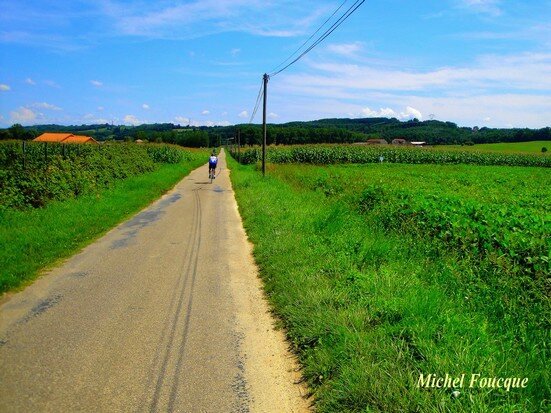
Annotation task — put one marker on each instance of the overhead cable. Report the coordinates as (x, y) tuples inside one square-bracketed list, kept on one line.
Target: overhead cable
[(258, 100), (307, 40), (330, 30)]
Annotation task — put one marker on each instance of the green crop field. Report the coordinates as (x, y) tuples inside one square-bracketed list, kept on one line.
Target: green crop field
[(385, 273), (334, 154), (521, 147)]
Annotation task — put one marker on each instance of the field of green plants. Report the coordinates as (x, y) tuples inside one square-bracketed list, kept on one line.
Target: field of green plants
[(526, 147), (382, 272), (334, 154), (31, 174)]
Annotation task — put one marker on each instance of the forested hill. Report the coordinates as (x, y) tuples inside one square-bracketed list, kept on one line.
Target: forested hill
[(433, 132)]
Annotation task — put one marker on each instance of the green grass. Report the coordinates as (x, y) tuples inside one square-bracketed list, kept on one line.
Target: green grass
[(368, 308), (512, 147), (34, 239)]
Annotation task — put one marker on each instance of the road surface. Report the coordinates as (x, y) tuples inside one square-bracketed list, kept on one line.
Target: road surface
[(163, 314)]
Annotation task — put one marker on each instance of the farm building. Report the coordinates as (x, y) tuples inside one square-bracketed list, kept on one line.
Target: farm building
[(399, 141), (64, 138), (376, 142)]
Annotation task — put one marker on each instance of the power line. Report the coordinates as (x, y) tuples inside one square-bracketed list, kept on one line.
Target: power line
[(258, 100), (330, 30), (307, 40)]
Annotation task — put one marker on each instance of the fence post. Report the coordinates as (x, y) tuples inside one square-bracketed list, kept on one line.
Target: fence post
[(239, 145), (24, 153)]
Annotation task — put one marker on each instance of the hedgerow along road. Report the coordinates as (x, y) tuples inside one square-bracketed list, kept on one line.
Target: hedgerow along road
[(163, 313)]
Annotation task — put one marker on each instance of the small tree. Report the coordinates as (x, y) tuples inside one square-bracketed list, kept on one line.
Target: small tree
[(543, 150), (17, 131)]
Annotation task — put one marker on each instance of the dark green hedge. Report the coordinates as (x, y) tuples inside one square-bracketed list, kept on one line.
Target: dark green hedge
[(33, 174)]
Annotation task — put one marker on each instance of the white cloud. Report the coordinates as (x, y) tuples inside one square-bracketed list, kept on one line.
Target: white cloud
[(345, 49), (382, 113), (411, 113), (4, 88), (216, 123), (243, 114), (93, 119), (96, 83), (44, 105), (101, 108), (525, 71), (235, 52), (133, 120), (205, 112), (469, 92), (51, 83), (273, 115), (145, 106), (408, 113), (499, 110), (23, 115), (29, 81), (197, 18), (33, 37), (182, 120), (190, 122), (490, 7)]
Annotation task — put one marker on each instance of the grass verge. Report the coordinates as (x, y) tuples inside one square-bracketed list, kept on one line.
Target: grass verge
[(34, 239), (369, 310)]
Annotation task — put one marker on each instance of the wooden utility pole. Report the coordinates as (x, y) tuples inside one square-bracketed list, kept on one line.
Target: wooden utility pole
[(239, 145), (264, 125)]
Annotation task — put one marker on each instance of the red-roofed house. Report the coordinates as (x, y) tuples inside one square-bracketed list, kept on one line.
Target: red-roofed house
[(64, 138)]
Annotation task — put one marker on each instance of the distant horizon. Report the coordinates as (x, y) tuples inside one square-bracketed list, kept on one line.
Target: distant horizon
[(483, 63), (260, 124)]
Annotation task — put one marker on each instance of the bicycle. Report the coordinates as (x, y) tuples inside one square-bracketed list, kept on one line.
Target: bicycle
[(212, 174)]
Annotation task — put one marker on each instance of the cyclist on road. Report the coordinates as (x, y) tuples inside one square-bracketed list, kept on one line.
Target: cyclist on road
[(213, 160)]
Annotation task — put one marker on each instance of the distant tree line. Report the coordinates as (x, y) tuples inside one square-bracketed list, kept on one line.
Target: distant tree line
[(433, 132)]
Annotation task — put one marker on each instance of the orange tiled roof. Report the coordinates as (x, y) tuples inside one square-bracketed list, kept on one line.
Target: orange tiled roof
[(64, 138), (53, 137), (79, 139)]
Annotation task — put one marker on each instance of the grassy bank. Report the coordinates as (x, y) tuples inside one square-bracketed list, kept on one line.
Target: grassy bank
[(370, 306), (33, 239)]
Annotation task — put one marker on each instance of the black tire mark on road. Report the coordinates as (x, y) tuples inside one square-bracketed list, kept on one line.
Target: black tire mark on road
[(195, 237), (176, 380), (178, 288)]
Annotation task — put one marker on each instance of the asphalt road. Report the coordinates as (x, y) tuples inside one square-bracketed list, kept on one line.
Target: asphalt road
[(163, 314)]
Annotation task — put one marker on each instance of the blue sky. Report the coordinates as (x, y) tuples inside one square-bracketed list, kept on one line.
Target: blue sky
[(473, 62)]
